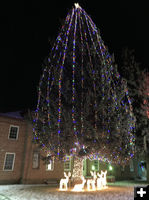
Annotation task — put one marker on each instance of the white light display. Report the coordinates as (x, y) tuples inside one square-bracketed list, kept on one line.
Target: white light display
[(80, 187), (101, 180), (77, 5), (64, 182), (91, 182)]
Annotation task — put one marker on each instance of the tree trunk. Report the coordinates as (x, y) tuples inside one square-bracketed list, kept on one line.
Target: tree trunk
[(77, 169)]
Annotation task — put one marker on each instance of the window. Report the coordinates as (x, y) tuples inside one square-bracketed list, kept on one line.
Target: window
[(35, 160), (50, 165), (9, 161), (67, 163), (13, 132), (95, 163)]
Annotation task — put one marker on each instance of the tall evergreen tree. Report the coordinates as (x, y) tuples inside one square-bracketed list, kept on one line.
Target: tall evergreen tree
[(83, 104), (137, 81)]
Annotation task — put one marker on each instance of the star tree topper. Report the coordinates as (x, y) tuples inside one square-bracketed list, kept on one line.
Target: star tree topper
[(77, 5)]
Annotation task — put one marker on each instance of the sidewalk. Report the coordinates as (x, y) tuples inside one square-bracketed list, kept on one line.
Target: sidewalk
[(123, 190), (129, 183)]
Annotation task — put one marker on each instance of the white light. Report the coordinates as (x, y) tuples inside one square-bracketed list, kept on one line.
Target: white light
[(64, 182), (110, 168), (101, 180), (77, 5), (91, 182), (49, 166), (79, 187)]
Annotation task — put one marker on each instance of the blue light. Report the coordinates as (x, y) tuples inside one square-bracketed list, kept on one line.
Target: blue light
[(59, 38), (131, 155)]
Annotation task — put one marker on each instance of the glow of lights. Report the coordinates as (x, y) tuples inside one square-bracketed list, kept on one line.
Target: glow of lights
[(101, 180), (78, 168), (80, 29), (73, 76), (77, 5), (110, 168), (64, 182), (60, 77), (91, 182), (79, 187)]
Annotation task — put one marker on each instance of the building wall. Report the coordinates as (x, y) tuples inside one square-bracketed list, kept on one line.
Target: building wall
[(23, 148), (11, 146), (40, 174)]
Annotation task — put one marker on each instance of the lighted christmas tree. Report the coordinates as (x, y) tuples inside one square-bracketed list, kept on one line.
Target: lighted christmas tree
[(83, 105)]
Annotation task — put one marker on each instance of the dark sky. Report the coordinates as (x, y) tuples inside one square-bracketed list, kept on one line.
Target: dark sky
[(27, 28)]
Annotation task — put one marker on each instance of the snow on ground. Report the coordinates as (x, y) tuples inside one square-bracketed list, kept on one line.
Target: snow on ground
[(117, 191)]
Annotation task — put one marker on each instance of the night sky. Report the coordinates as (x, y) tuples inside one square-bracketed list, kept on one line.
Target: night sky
[(27, 28)]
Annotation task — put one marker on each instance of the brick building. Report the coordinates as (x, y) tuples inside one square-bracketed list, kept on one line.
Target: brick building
[(20, 159)]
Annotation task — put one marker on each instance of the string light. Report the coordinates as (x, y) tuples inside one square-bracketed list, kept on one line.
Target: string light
[(60, 77), (105, 84), (82, 75), (73, 74)]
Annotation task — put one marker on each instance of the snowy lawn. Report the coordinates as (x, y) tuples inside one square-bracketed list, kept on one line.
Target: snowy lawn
[(117, 191)]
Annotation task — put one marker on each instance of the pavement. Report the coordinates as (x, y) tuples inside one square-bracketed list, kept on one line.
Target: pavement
[(123, 190)]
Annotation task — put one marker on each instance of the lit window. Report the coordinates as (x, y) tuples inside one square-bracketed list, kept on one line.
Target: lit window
[(13, 132), (35, 160), (9, 161), (50, 165)]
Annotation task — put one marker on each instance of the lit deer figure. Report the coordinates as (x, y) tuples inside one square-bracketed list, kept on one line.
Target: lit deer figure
[(104, 179), (91, 182), (79, 187), (99, 181), (64, 181)]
